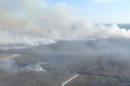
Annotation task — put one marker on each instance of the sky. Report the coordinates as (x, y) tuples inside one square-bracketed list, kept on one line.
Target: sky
[(42, 21), (100, 11)]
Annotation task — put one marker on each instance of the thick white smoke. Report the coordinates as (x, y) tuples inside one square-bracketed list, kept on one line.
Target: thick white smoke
[(35, 22)]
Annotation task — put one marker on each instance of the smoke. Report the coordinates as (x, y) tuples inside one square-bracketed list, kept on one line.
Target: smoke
[(8, 64), (36, 22), (34, 67)]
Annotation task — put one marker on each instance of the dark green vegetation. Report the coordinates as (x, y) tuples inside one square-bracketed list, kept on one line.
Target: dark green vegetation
[(98, 62), (98, 80), (31, 79)]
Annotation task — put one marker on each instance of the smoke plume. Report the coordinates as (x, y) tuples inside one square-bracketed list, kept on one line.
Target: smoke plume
[(36, 22)]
